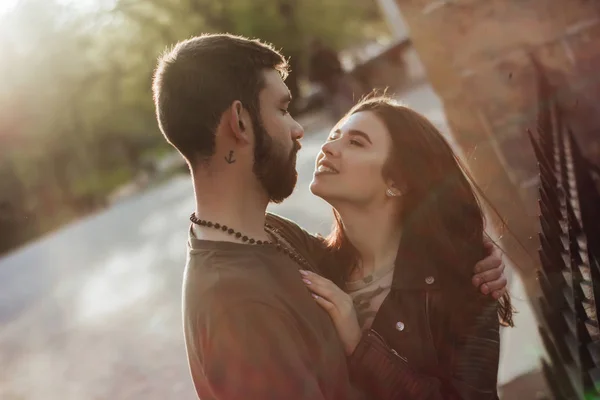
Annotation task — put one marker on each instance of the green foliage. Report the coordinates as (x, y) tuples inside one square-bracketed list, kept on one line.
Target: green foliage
[(76, 113)]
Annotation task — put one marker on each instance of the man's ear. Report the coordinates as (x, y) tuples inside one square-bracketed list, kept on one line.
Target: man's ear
[(239, 122)]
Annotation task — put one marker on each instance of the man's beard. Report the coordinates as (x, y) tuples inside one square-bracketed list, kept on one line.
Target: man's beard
[(275, 170)]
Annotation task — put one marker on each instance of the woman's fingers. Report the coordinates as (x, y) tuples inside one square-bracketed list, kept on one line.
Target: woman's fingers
[(315, 278), (323, 287), (488, 272), (498, 284), (488, 276), (326, 304), (490, 262), (320, 289)]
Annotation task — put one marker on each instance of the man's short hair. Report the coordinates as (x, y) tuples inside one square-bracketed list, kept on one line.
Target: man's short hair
[(199, 78)]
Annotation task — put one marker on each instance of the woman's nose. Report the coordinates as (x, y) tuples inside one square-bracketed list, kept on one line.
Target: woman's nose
[(331, 148)]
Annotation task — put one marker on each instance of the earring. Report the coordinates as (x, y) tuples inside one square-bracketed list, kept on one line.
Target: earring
[(390, 193)]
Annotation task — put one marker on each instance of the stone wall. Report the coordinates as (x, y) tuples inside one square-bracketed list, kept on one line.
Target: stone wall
[(478, 55)]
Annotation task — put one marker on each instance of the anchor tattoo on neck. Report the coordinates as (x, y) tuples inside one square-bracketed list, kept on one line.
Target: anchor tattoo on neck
[(229, 158)]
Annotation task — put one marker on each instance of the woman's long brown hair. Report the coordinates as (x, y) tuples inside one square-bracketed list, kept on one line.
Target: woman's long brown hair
[(440, 213)]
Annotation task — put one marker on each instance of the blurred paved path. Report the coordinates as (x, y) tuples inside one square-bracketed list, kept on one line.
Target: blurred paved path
[(92, 311)]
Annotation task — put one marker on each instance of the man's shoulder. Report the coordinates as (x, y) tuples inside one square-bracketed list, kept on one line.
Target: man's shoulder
[(236, 289), (310, 246), (217, 293), (291, 230), (282, 223)]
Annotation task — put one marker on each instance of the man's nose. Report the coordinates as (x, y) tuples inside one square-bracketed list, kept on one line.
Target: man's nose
[(297, 131)]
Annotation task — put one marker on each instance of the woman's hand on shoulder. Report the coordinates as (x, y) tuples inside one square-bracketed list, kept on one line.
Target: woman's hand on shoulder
[(338, 305), (489, 274)]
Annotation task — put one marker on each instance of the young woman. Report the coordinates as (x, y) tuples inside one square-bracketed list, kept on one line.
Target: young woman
[(408, 231)]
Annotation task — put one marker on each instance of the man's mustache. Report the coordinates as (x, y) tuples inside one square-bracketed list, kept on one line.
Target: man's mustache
[(297, 146)]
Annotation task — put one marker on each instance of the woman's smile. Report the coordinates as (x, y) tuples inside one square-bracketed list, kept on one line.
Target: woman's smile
[(324, 167)]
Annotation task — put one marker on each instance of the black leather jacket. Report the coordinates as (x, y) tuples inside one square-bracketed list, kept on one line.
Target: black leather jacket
[(430, 340)]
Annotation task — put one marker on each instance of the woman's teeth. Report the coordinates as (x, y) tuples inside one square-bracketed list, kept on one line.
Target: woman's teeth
[(323, 168)]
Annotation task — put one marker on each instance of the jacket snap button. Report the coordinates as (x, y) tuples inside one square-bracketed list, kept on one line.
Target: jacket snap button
[(429, 280), (400, 326)]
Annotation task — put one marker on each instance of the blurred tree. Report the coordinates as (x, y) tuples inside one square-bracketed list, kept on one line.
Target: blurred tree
[(76, 113)]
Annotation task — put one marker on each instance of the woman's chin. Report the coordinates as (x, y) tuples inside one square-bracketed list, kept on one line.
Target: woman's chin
[(320, 190), (317, 188), (314, 187)]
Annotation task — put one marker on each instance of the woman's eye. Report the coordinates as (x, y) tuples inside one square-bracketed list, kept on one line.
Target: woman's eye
[(355, 143)]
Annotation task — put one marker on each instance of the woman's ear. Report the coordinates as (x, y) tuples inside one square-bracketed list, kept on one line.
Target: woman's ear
[(394, 190)]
